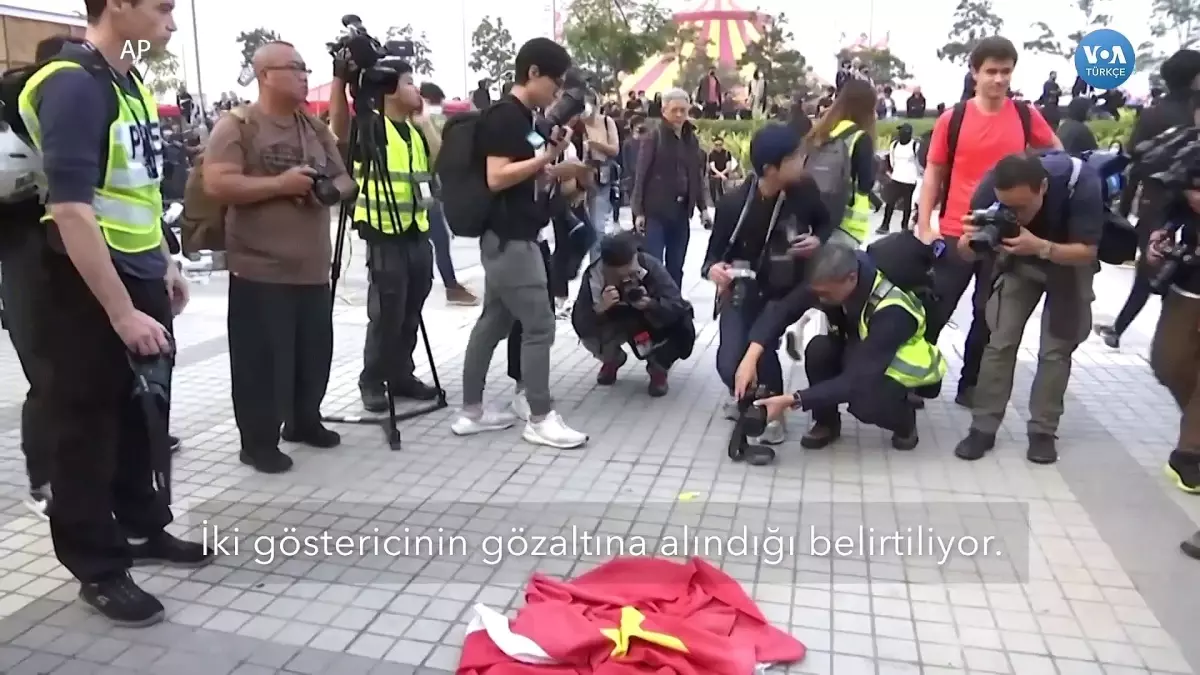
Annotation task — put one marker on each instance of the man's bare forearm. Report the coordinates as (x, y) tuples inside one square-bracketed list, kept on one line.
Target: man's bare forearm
[(339, 110), (433, 136), (931, 188), (235, 188), (515, 172), (89, 253)]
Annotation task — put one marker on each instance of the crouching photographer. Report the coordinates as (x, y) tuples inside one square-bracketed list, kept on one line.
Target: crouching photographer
[(1173, 356), (628, 298), (877, 359), (762, 233), (1042, 216)]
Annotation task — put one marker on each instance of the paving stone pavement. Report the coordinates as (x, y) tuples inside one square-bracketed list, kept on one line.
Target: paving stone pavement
[(1088, 578)]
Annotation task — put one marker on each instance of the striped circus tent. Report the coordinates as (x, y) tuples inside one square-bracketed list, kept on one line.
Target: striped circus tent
[(725, 27)]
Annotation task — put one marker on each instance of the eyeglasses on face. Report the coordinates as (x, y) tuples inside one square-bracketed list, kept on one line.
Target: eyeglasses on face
[(291, 67)]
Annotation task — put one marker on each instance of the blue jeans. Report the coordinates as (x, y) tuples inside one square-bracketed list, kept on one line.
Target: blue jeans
[(601, 213), (439, 236), (667, 240), (734, 336)]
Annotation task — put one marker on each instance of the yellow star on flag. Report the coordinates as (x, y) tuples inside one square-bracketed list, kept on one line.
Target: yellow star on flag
[(631, 627)]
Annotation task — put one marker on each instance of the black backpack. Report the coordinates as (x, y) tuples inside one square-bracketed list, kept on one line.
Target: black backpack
[(13, 81), (462, 177), (907, 262)]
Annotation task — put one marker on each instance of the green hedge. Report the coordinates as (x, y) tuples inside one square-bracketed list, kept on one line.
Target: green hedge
[(737, 133)]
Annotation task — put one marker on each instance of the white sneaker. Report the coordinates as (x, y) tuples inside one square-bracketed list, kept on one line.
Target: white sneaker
[(774, 434), (490, 420), (554, 432), (520, 406), (730, 410)]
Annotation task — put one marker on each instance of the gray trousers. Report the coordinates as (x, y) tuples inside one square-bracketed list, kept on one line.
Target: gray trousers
[(1018, 291), (400, 277), (514, 289)]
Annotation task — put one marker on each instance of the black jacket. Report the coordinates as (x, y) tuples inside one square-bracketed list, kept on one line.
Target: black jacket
[(667, 309), (1171, 111)]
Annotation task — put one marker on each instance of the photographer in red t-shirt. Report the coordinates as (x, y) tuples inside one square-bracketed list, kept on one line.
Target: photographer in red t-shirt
[(991, 129)]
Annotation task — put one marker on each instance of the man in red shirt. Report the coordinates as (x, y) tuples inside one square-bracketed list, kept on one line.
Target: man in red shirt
[(993, 126)]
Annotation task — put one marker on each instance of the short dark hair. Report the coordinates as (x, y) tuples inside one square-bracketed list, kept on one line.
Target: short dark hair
[(1180, 69), (95, 8), (618, 250), (993, 48), (432, 93), (51, 46), (549, 57), (1021, 169)]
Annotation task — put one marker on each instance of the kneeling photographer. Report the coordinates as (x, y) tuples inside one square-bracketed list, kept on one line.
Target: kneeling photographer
[(628, 298), (1042, 216), (399, 254), (761, 235), (878, 357), (1173, 356)]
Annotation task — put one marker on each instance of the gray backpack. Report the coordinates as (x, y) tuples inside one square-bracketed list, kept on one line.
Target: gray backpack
[(829, 166)]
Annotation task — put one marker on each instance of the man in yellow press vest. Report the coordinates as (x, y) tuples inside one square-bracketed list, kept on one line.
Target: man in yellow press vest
[(876, 359), (108, 289), (399, 254)]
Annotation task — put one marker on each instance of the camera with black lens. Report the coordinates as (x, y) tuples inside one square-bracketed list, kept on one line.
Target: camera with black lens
[(993, 225), (1174, 256), (324, 191), (365, 59), (631, 291), (751, 423), (571, 102), (1169, 157)]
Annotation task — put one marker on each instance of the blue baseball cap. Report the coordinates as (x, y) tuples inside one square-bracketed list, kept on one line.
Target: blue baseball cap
[(771, 145)]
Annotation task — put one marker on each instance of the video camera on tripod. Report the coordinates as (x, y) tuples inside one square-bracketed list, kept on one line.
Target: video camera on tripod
[(373, 71)]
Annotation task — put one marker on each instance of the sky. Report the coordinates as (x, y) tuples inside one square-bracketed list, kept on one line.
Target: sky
[(916, 28)]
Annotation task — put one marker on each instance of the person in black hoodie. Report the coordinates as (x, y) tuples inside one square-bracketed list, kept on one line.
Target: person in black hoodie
[(1177, 108), (1073, 131), (914, 108)]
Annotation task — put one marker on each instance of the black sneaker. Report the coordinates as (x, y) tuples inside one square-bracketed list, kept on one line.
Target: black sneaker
[(165, 549), (1110, 337), (1191, 547), (965, 397), (975, 445), (123, 602), (1183, 468), (820, 436), (374, 400), (316, 436), (39, 501), (1041, 449), (176, 444), (906, 441), (270, 460)]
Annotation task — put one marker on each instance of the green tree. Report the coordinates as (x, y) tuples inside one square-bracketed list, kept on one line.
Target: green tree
[(252, 40), (1090, 19), (1173, 22), (422, 62), (973, 21), (693, 69), (161, 70), (610, 37), (883, 66), (493, 50), (783, 68)]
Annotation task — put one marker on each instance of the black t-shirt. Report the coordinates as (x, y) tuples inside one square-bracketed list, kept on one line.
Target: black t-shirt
[(1083, 209), (719, 159), (505, 131)]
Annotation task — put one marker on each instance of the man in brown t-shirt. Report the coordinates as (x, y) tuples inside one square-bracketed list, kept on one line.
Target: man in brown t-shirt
[(261, 163)]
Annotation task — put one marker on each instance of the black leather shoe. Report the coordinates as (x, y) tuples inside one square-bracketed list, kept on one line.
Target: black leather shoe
[(176, 444), (820, 436), (415, 390), (165, 549), (374, 399), (122, 602), (316, 436), (1041, 449), (965, 397), (907, 441), (268, 460), (975, 445)]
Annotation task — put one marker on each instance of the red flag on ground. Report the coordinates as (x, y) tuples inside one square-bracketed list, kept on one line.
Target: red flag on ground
[(630, 616)]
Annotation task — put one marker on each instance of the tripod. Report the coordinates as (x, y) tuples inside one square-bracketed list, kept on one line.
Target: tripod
[(368, 134)]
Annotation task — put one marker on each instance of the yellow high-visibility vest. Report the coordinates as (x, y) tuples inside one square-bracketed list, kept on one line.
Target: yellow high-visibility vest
[(855, 223), (918, 362), (405, 179)]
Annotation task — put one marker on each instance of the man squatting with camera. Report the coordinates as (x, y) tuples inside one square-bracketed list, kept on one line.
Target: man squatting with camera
[(629, 297), (515, 276), (765, 229), (278, 169), (399, 255), (1041, 216)]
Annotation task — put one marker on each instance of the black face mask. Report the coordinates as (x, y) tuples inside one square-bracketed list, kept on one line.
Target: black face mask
[(904, 135)]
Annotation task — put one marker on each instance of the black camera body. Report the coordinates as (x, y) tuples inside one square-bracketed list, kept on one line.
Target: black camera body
[(324, 191), (571, 102), (994, 225), (751, 422), (631, 291), (1174, 256), (357, 48), (1171, 157)]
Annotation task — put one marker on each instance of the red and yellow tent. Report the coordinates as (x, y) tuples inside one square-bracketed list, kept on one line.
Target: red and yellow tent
[(721, 24)]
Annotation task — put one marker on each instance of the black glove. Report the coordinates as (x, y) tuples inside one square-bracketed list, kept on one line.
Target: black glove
[(344, 69)]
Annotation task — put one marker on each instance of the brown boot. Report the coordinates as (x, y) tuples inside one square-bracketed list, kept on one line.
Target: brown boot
[(459, 295)]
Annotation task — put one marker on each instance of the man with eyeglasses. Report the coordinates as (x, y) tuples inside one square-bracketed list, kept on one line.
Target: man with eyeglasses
[(260, 161)]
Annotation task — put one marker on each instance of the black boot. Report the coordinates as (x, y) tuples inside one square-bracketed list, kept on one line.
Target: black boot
[(1042, 449), (975, 445), (122, 602), (1183, 468), (266, 460), (820, 436)]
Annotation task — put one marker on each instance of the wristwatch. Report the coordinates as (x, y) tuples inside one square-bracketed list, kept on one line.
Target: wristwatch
[(796, 403), (1047, 250)]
